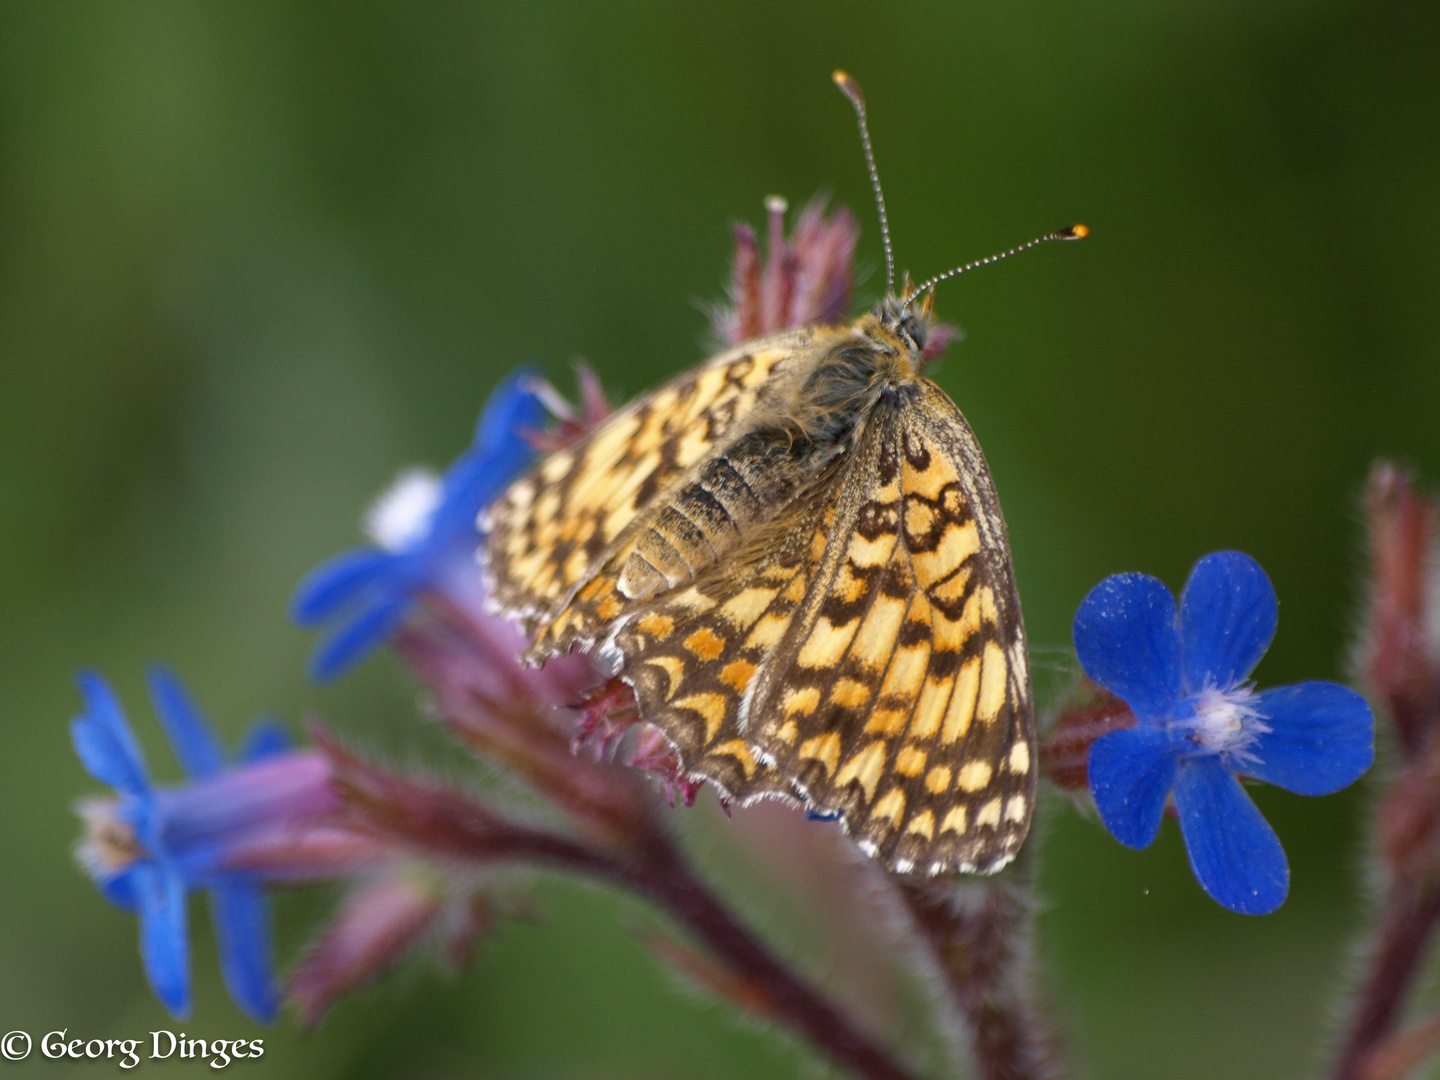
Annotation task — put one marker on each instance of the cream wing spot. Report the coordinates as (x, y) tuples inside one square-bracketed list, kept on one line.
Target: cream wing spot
[(824, 749), (989, 814), (962, 702), (994, 678), (866, 767), (891, 806), (1020, 758), (974, 775), (826, 643)]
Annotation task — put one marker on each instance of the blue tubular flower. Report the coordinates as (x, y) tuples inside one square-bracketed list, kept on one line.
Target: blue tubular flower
[(425, 531), (1183, 673), (150, 846)]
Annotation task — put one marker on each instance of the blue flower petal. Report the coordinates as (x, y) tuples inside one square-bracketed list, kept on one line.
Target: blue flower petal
[(1131, 772), (242, 925), (1128, 640), (120, 889), (264, 738), (498, 454), (196, 748), (1235, 854), (1322, 738), (360, 637), (164, 935), (336, 582), (103, 740), (511, 410), (1227, 620)]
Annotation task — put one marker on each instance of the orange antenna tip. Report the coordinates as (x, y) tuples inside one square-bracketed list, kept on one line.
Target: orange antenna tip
[(850, 88), (1077, 232)]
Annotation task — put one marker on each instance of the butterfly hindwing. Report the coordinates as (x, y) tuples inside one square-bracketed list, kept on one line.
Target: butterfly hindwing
[(693, 656), (553, 531)]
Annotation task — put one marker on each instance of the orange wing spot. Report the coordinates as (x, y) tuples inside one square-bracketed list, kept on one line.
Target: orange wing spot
[(962, 703), (910, 761), (575, 566), (938, 779), (867, 553), (930, 709), (786, 732), (907, 672), (993, 680), (848, 585), (886, 722), (705, 644), (674, 669), (931, 482), (795, 592), (803, 701), (922, 824), (957, 544), (817, 546), (876, 639), (737, 749), (711, 707), (891, 805), (609, 608), (954, 821), (824, 749), (737, 674), (592, 589), (850, 694), (826, 643), (657, 625)]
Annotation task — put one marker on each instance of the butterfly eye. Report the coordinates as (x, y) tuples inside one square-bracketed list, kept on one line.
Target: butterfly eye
[(915, 331)]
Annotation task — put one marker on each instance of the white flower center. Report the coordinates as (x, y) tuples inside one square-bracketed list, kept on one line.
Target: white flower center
[(1227, 722), (109, 844), (400, 518)]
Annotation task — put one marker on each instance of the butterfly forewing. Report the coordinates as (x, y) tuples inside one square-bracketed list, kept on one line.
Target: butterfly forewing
[(901, 698)]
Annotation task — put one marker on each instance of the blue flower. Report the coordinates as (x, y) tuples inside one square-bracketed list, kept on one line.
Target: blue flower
[(425, 533), (150, 846), (1183, 673)]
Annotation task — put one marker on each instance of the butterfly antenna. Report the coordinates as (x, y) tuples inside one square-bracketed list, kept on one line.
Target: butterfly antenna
[(1074, 232), (851, 90)]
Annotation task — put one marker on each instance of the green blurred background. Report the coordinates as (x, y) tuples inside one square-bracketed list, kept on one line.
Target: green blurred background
[(256, 257)]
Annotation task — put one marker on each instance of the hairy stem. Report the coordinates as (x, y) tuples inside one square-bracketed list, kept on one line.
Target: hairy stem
[(1410, 917), (978, 933), (447, 824)]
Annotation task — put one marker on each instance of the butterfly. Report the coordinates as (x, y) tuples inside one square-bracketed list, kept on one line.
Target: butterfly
[(795, 556)]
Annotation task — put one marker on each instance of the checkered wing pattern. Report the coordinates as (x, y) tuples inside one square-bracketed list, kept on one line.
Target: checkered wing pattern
[(900, 697), (870, 657), (553, 533)]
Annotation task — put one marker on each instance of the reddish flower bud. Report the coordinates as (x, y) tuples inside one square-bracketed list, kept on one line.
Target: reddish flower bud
[(376, 927), (805, 278)]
